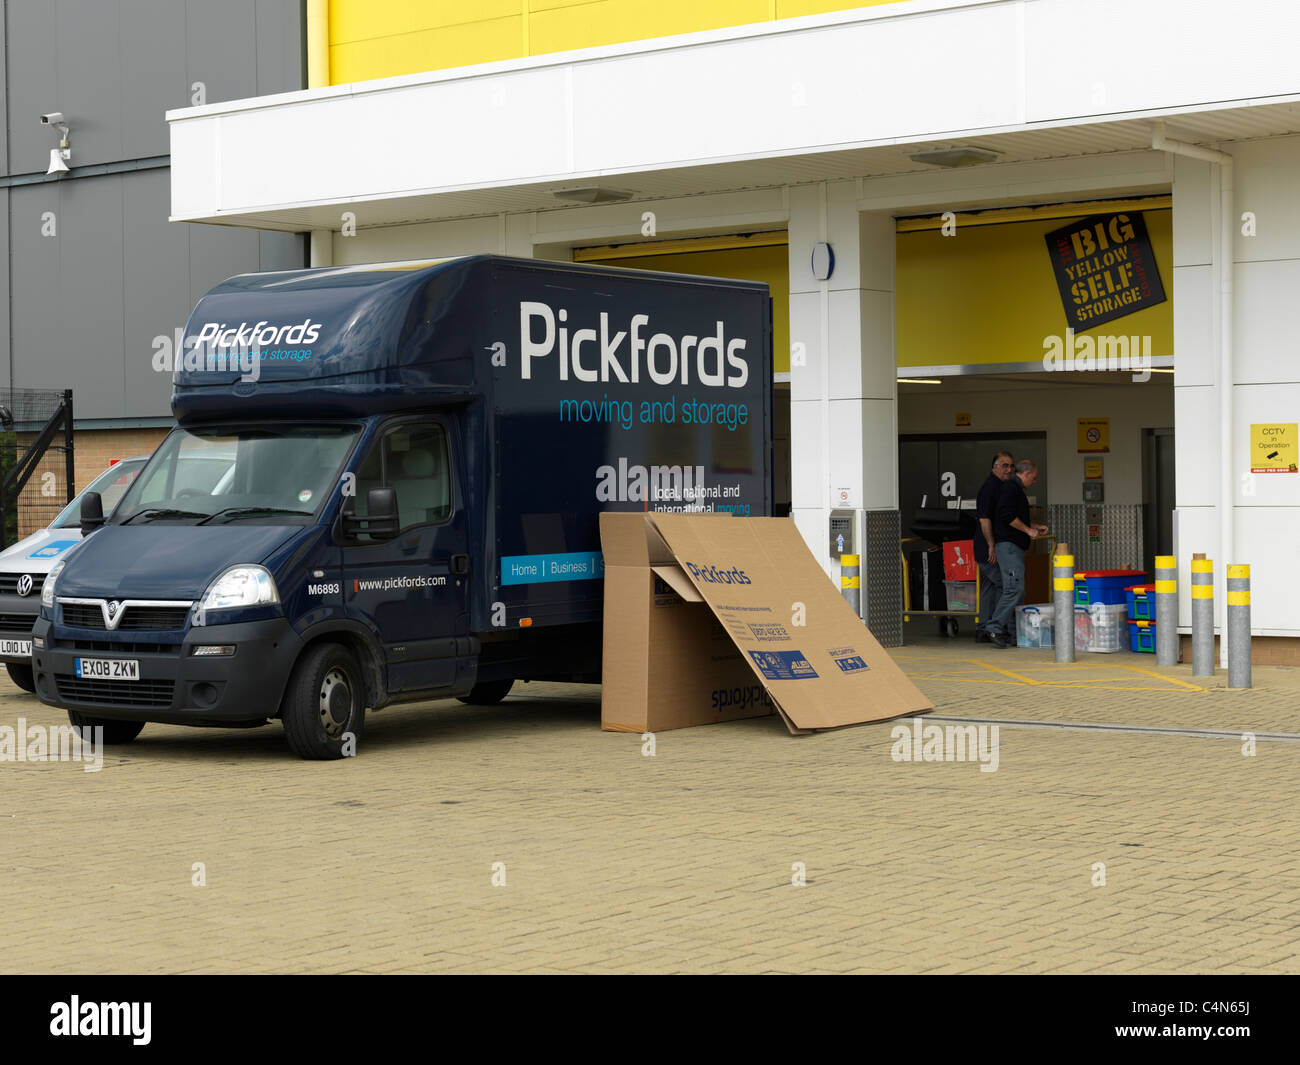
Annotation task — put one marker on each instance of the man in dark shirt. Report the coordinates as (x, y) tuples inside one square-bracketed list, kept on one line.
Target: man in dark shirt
[(985, 552), (1012, 534)]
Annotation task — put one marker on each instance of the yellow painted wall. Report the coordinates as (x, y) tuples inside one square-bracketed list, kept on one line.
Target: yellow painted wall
[(988, 294), (770, 264), (384, 38)]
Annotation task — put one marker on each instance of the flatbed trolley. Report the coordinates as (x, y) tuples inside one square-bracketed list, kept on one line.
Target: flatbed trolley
[(948, 623)]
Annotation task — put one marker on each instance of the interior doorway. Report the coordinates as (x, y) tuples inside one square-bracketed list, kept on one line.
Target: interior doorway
[(1157, 495)]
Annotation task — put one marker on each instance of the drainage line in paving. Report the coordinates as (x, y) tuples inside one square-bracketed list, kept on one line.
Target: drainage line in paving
[(1151, 730)]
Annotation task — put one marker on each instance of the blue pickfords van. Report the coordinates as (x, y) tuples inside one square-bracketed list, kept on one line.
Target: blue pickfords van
[(420, 453)]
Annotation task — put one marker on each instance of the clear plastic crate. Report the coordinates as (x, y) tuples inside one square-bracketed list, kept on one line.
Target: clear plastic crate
[(1101, 628), (961, 596), (1034, 625)]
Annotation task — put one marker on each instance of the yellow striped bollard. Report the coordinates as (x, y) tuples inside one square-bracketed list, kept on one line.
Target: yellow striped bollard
[(1063, 603), (1202, 616), (1166, 610), (1238, 626), (851, 583)]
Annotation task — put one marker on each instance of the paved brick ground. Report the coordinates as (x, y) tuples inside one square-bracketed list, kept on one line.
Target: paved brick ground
[(618, 862)]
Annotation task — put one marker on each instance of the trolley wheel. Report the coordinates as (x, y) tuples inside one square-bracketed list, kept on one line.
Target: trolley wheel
[(949, 627)]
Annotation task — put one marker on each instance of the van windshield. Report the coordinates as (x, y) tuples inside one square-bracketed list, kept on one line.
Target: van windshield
[(263, 475)]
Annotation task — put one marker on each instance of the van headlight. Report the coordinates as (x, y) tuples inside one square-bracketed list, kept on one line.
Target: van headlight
[(241, 586), (47, 589)]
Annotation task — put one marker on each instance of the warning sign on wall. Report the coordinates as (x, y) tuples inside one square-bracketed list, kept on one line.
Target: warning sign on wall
[(1273, 448), (1094, 436)]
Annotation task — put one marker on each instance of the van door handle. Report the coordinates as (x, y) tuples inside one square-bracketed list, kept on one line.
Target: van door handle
[(459, 565)]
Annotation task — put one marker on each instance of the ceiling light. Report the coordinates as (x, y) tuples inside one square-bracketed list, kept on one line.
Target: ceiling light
[(953, 157), (592, 194), (919, 381)]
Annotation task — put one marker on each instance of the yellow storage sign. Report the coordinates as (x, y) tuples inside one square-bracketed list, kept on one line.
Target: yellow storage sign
[(1273, 448), (1094, 435)]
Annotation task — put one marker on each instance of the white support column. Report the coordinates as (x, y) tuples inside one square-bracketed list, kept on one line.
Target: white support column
[(843, 396)]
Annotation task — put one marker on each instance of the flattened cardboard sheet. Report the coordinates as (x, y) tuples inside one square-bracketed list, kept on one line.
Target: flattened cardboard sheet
[(799, 637)]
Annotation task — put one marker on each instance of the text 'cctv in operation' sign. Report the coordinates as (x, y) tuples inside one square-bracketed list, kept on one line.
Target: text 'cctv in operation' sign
[(1273, 448)]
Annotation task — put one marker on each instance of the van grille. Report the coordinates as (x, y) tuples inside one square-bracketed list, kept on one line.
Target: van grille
[(153, 693), (83, 615), (17, 623), (157, 618), (9, 583)]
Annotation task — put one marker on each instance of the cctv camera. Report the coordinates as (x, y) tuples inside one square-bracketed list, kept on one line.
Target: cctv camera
[(54, 118)]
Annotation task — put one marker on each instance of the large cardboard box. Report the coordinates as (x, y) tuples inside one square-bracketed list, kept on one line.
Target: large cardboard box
[(711, 618)]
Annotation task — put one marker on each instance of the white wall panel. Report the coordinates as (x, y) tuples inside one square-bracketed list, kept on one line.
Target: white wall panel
[(1196, 455), (1267, 322), (1266, 178), (1085, 56), (1195, 347), (807, 475), (806, 381), (1196, 193)]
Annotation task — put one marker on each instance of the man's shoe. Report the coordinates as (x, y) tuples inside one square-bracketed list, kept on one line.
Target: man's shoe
[(983, 636), (998, 640)]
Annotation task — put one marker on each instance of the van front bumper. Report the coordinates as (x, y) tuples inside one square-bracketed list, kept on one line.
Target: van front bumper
[(175, 686)]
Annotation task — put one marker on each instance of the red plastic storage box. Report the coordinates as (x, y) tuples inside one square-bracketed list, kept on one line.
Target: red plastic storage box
[(959, 560)]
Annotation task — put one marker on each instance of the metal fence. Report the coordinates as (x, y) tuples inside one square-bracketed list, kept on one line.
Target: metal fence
[(36, 459)]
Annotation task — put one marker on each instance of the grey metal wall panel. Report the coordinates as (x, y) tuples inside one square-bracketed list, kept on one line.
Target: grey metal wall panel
[(282, 251), (152, 55), (4, 93), (279, 46), (86, 305), (219, 252), (221, 42), (89, 84), (67, 293), (1121, 534), (6, 366), (156, 293), (33, 83)]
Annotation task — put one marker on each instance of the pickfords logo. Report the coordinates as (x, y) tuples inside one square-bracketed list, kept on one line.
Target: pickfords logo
[(667, 359), (740, 698), (221, 335), (713, 575)]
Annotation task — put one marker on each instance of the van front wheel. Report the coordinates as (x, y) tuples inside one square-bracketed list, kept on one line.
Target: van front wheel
[(324, 706), (22, 676)]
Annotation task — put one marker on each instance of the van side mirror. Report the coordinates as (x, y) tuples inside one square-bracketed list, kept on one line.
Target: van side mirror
[(92, 512), (380, 521)]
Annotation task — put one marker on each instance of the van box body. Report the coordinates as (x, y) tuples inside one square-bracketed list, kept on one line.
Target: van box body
[(555, 391)]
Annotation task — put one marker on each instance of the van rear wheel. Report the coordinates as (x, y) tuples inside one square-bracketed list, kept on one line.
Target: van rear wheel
[(324, 705), (22, 676), (114, 731), (487, 692)]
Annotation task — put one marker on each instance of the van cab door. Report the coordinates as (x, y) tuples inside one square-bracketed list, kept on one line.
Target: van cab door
[(413, 589)]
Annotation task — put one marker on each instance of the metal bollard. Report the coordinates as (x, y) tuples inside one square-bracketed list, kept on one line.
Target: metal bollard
[(1202, 616), (1238, 626), (1063, 604), (1166, 610), (851, 583)]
